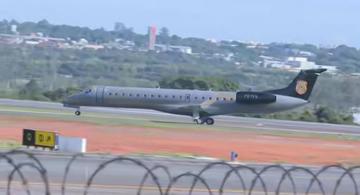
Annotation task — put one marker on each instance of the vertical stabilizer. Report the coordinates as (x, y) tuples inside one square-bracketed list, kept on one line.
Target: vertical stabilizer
[(302, 85)]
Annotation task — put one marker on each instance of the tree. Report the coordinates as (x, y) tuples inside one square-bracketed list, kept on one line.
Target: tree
[(44, 23), (201, 84), (60, 94), (31, 87), (119, 27), (32, 91), (327, 115), (204, 83), (164, 36), (307, 115), (164, 32)]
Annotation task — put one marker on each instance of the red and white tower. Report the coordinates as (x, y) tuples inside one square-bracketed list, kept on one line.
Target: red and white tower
[(152, 37)]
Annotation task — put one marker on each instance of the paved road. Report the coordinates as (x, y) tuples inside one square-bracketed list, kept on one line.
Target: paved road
[(125, 177), (221, 121)]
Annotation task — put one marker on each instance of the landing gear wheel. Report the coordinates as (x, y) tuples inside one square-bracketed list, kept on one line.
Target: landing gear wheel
[(77, 113), (197, 121), (209, 121)]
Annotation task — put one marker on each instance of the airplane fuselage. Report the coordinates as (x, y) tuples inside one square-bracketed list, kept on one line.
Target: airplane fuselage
[(183, 102)]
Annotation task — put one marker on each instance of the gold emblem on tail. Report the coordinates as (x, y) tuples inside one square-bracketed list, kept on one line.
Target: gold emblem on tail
[(301, 87)]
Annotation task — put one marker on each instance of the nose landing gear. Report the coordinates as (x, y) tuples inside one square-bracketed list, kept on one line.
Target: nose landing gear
[(77, 113)]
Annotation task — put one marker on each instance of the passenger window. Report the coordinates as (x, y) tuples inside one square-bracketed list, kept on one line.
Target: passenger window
[(159, 96), (224, 99), (116, 94), (173, 97), (130, 94), (231, 99), (137, 95), (123, 94), (110, 93), (145, 95), (152, 95), (166, 96), (217, 99), (196, 98), (180, 97), (203, 97), (210, 98)]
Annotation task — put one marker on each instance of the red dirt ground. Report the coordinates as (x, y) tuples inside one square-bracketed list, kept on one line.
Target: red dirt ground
[(250, 146)]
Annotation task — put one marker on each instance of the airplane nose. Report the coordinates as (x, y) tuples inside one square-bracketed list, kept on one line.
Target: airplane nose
[(70, 100), (80, 99)]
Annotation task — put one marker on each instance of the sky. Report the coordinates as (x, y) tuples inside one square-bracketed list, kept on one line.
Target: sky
[(319, 22)]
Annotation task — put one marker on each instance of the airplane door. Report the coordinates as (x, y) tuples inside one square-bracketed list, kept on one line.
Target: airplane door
[(100, 96), (187, 98)]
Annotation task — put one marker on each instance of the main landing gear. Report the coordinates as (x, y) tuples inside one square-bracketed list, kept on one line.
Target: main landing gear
[(207, 120), (202, 120)]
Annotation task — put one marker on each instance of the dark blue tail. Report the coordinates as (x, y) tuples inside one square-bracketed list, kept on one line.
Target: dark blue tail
[(302, 85)]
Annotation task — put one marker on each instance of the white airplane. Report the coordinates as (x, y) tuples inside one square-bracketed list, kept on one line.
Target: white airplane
[(200, 105)]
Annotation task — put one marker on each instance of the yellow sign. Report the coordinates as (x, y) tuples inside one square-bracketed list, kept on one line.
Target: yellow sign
[(301, 87), (43, 138)]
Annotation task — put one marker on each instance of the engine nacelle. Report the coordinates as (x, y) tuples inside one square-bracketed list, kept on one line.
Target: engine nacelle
[(249, 97)]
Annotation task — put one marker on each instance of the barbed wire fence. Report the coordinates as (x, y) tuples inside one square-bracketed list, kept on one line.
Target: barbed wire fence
[(250, 179)]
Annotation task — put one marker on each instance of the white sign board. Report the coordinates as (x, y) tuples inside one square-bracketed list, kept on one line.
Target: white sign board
[(71, 144)]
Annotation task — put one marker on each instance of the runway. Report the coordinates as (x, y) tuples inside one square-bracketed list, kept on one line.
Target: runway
[(124, 177), (221, 121)]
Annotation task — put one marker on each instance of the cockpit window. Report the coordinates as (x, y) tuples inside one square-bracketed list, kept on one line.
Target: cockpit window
[(87, 91)]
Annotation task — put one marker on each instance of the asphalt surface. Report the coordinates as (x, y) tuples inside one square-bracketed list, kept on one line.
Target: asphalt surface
[(220, 121), (124, 177)]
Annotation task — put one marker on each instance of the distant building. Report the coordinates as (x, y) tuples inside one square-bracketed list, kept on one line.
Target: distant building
[(271, 62), (355, 74), (121, 44), (255, 45), (182, 49), (93, 46), (356, 114), (300, 63), (11, 39), (229, 57), (14, 29), (84, 44), (306, 54), (212, 40), (295, 64), (356, 118), (33, 39), (83, 41), (119, 27), (297, 59), (32, 42), (173, 48), (152, 37)]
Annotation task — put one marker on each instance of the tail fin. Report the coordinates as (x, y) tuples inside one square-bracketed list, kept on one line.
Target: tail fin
[(302, 85)]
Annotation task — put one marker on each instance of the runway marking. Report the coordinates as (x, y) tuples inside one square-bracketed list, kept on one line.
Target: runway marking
[(78, 186)]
